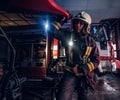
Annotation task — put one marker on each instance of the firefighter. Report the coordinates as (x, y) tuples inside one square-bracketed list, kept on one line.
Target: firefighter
[(82, 56)]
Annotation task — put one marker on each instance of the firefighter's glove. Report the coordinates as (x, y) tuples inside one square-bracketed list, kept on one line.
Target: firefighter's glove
[(60, 20), (77, 70), (82, 70), (85, 60)]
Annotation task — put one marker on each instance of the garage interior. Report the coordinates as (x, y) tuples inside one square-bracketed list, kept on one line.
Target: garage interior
[(29, 52)]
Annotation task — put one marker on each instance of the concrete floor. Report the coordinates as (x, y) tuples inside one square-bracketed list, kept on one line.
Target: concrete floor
[(107, 88)]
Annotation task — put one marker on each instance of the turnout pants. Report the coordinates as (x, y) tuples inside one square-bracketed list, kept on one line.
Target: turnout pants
[(68, 84)]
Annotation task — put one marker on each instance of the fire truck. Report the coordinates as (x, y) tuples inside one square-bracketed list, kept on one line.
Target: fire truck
[(107, 35), (25, 56), (106, 48)]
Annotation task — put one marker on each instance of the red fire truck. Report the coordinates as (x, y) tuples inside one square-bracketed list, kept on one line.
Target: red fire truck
[(107, 47)]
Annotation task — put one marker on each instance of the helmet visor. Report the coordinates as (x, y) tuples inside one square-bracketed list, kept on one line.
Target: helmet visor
[(77, 24), (76, 21)]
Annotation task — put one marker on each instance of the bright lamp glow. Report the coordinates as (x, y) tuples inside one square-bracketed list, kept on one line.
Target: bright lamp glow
[(70, 43), (46, 25)]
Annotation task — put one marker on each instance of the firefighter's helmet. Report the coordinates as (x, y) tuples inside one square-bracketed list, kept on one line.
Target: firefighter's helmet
[(83, 16)]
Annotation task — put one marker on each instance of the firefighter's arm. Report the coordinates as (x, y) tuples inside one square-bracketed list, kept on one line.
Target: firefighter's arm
[(56, 24), (55, 28), (93, 61), (60, 20)]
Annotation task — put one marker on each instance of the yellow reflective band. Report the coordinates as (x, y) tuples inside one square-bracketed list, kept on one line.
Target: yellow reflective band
[(89, 51), (57, 27), (92, 66), (89, 67), (58, 24), (86, 52)]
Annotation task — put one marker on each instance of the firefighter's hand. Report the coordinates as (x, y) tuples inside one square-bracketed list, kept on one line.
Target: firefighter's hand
[(60, 20), (75, 69)]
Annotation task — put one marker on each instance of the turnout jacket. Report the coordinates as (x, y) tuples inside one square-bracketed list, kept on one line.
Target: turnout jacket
[(84, 51)]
